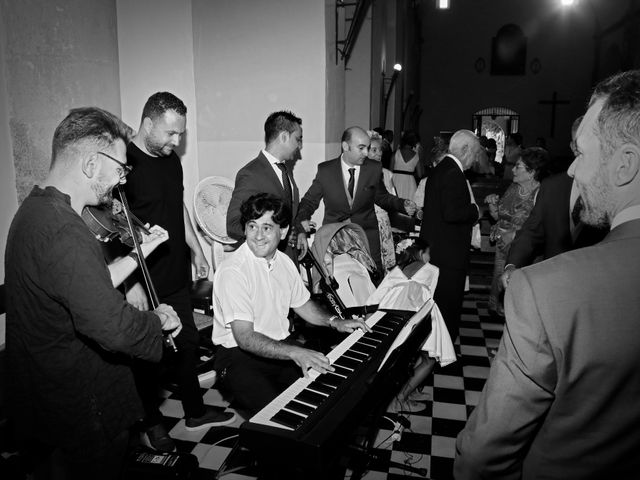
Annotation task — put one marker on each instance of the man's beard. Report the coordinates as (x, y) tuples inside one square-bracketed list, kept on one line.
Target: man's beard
[(104, 194), (157, 149), (596, 199)]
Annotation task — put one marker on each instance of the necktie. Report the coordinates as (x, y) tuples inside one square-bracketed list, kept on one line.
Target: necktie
[(352, 181), (286, 183)]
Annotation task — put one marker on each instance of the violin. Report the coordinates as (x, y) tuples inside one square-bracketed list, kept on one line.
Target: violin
[(118, 222), (108, 223)]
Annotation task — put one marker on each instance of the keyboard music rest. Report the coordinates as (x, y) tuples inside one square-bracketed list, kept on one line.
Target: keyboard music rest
[(310, 437)]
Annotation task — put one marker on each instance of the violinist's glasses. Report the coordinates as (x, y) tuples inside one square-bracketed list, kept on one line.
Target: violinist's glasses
[(124, 169)]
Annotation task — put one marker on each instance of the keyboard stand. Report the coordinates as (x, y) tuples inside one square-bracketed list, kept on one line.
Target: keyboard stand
[(395, 376)]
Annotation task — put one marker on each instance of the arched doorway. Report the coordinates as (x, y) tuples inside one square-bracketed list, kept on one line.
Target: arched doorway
[(496, 123)]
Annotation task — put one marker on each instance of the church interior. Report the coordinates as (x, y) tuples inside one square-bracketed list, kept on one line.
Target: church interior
[(432, 66)]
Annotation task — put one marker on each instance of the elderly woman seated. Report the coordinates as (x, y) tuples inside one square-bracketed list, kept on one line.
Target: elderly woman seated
[(511, 210)]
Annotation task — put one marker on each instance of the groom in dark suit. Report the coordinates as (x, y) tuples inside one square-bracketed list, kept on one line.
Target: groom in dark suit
[(271, 172), (350, 185), (448, 215)]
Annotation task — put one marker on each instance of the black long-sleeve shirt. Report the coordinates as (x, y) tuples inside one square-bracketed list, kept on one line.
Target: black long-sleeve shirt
[(70, 334)]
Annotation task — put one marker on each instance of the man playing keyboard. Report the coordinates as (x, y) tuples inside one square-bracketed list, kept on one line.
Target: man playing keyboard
[(253, 291)]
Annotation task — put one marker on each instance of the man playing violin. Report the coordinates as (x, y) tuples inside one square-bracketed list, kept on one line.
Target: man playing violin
[(70, 333), (155, 193)]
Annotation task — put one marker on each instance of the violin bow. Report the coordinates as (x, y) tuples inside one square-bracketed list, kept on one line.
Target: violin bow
[(155, 301)]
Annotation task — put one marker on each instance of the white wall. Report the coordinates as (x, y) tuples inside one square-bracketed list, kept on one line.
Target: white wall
[(253, 58), (54, 56), (156, 54), (237, 61), (155, 39), (8, 192), (358, 79)]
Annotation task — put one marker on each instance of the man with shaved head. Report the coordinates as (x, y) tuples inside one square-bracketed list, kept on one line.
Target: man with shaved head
[(448, 215), (350, 186)]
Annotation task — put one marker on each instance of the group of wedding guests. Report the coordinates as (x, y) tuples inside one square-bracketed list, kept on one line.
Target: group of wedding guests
[(406, 176)]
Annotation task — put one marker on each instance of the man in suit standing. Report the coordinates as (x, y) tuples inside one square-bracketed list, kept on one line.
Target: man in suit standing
[(271, 172), (552, 229), (448, 216), (561, 398), (350, 186)]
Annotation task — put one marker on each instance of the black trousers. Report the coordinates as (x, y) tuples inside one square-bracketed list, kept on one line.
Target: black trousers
[(252, 380), (449, 295), (182, 363)]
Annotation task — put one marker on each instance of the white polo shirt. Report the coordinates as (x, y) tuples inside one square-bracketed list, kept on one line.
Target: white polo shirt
[(245, 287)]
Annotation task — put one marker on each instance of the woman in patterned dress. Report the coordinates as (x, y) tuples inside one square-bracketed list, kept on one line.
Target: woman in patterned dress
[(511, 210), (384, 226)]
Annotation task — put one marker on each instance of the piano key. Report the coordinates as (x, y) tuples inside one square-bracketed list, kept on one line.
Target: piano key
[(339, 370), (382, 330), (312, 398), (288, 419), (369, 343), (363, 348), (347, 363), (321, 387), (352, 353), (300, 408), (391, 321), (330, 379), (380, 337)]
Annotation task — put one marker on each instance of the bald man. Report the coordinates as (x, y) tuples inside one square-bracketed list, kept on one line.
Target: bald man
[(350, 185), (448, 215)]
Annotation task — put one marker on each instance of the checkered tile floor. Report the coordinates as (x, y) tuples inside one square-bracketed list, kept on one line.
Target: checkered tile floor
[(430, 441)]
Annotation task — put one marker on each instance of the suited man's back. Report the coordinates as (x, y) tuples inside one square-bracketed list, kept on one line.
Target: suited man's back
[(448, 216)]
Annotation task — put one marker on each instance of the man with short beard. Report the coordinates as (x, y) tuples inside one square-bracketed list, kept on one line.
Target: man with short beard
[(272, 172), (561, 400), (70, 333), (155, 193)]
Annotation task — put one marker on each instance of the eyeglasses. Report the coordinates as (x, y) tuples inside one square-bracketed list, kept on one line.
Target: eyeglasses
[(124, 169)]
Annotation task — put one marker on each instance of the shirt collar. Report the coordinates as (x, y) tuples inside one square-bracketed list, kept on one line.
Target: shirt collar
[(626, 215), (259, 261), (346, 166), (271, 158)]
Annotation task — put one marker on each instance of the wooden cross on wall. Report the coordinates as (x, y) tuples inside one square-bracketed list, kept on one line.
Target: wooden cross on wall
[(554, 102)]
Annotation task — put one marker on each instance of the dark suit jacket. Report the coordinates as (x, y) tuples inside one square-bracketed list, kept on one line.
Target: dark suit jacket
[(329, 186), (561, 400), (547, 231), (448, 216), (257, 176)]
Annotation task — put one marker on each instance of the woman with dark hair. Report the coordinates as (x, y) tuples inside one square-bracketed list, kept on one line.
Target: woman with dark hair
[(511, 210)]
